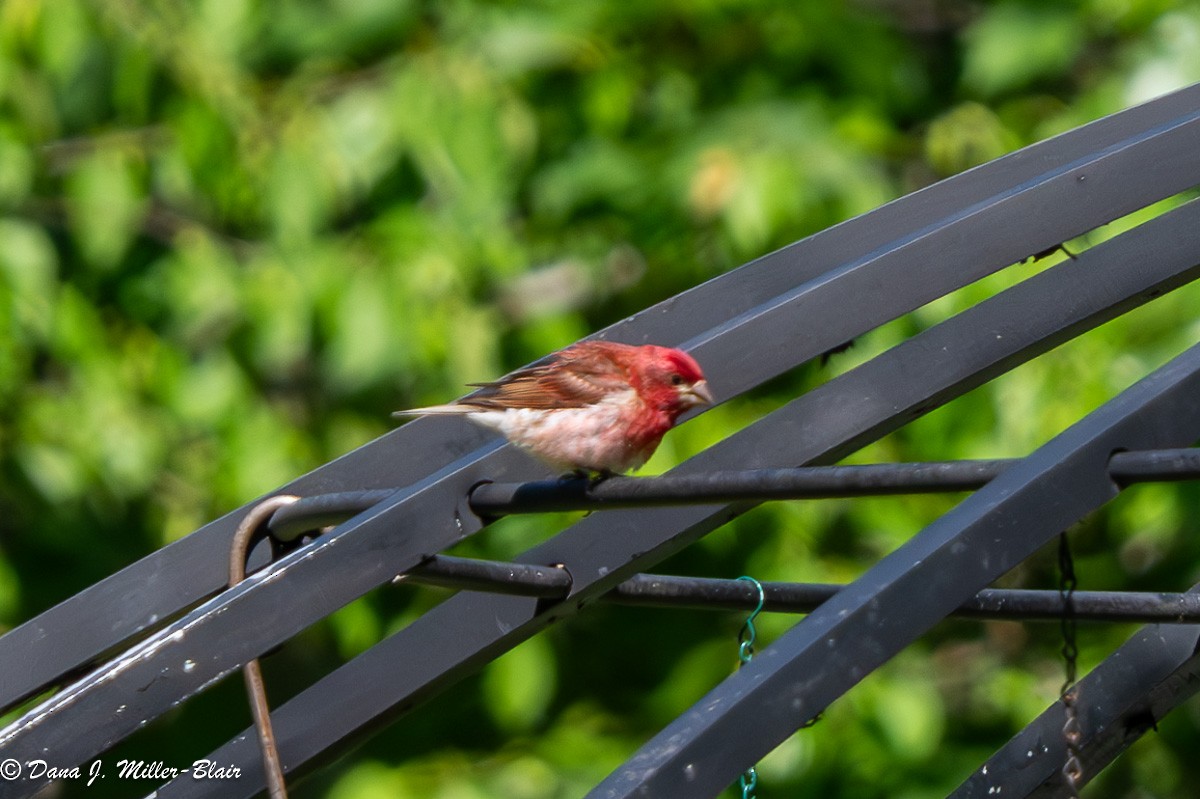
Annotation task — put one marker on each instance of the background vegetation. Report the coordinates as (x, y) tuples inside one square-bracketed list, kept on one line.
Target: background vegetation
[(235, 234)]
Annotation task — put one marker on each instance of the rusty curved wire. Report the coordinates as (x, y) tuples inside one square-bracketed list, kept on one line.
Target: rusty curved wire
[(252, 529)]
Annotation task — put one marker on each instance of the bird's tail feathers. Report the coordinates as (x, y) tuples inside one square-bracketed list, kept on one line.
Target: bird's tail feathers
[(437, 410)]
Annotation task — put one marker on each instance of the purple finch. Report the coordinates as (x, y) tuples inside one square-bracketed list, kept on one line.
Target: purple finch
[(595, 406)]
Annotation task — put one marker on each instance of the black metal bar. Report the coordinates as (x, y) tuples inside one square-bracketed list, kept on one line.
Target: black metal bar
[(808, 297), (706, 593), (312, 513), (471, 574), (1119, 701), (909, 591), (1156, 466), (805, 482), (655, 590), (824, 425)]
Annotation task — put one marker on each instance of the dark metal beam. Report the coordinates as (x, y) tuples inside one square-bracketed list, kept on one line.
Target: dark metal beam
[(822, 426), (818, 292)]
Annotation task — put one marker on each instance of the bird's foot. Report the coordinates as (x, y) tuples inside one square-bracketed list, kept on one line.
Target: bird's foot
[(599, 477)]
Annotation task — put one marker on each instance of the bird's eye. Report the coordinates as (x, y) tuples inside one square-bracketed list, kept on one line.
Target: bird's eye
[(677, 380)]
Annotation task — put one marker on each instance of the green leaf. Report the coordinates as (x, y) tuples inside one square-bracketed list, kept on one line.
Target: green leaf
[(28, 275), (1014, 44), (106, 203)]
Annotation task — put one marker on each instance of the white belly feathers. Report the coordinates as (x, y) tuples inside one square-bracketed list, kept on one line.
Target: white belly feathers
[(566, 436)]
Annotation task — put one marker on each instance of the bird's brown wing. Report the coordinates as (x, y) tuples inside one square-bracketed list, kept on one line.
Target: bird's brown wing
[(580, 375)]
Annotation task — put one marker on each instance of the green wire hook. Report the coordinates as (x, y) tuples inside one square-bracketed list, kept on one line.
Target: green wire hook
[(746, 639), (748, 635)]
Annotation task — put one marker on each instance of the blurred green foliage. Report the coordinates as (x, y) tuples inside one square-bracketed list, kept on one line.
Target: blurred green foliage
[(235, 234)]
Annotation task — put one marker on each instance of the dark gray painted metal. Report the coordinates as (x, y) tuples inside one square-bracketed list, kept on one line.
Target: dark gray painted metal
[(824, 425), (909, 591), (666, 591), (1162, 465), (805, 482), (707, 593), (92, 623), (1119, 701), (266, 609), (312, 513), (472, 574), (819, 292)]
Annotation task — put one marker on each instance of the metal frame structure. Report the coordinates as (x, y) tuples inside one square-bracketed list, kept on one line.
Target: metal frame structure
[(117, 664)]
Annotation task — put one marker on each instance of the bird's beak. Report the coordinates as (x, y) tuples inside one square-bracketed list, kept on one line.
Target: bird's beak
[(697, 394)]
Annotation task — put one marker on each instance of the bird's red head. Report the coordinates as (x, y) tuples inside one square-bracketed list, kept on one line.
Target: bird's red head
[(671, 380)]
